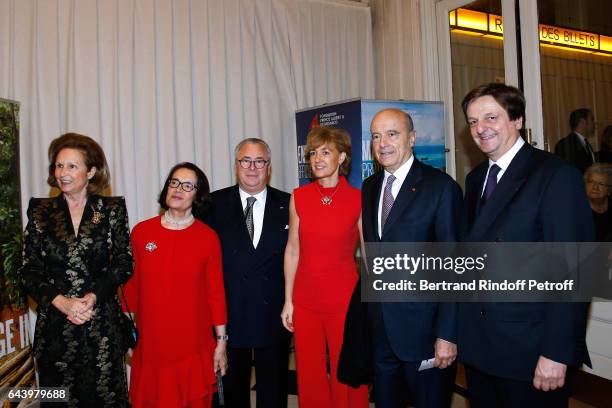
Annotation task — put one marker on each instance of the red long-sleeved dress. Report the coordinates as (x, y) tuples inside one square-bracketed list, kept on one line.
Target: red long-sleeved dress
[(178, 296)]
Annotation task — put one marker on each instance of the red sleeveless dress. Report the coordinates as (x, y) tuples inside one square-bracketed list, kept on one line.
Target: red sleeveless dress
[(327, 273), (324, 281)]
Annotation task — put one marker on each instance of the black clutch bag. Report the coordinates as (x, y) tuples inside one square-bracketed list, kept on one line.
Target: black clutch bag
[(128, 327)]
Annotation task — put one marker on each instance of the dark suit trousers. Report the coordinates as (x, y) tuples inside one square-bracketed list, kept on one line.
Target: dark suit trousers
[(271, 370), (397, 382), (488, 391)]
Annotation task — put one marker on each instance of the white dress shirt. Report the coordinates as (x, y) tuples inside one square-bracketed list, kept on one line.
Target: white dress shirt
[(258, 211), (503, 162), (400, 175), (583, 140)]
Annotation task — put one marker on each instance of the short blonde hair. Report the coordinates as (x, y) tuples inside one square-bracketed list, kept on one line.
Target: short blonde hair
[(332, 137)]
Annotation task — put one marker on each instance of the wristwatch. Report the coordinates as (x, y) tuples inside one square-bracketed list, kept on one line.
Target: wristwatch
[(223, 337)]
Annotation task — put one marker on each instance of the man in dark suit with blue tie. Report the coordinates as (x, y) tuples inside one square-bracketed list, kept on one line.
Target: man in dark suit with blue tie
[(409, 202), (575, 147), (251, 220), (517, 354)]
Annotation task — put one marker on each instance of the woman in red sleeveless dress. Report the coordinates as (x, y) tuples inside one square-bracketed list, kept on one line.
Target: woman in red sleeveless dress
[(320, 270)]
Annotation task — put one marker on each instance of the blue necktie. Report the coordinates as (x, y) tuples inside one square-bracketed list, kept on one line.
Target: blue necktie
[(491, 183)]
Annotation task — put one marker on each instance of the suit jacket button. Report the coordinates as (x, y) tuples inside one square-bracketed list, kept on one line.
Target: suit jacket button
[(483, 312)]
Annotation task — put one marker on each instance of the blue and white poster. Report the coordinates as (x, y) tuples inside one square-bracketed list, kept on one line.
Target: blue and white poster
[(345, 115), (355, 116)]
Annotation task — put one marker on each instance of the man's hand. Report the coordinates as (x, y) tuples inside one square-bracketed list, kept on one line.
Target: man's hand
[(446, 353), (549, 375)]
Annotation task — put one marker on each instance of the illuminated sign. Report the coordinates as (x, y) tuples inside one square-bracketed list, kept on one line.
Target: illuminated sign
[(573, 38), (495, 24), (475, 20), (605, 43), (491, 25)]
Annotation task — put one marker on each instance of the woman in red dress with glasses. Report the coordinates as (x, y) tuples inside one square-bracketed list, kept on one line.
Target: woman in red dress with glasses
[(320, 270), (178, 297)]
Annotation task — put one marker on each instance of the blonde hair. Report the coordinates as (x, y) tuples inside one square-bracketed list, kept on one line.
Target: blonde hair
[(332, 137)]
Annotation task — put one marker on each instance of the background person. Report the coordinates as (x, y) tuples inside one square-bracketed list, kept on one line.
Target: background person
[(177, 296), (251, 219), (575, 147), (320, 270), (598, 178), (76, 254)]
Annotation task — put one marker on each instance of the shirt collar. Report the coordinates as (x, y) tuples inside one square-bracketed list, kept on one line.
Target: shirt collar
[(581, 138), (504, 161), (261, 196), (402, 171)]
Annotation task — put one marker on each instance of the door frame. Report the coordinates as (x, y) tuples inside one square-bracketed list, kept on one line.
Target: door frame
[(530, 70)]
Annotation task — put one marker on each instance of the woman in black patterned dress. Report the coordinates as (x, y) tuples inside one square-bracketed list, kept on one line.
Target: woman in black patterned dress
[(76, 254)]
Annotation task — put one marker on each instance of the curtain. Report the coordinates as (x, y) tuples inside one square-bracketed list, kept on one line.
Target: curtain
[(399, 52), (156, 82)]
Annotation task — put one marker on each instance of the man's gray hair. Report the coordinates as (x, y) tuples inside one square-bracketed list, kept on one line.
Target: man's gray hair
[(253, 140)]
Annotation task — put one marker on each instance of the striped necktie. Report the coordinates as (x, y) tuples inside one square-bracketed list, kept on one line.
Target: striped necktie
[(388, 200), (248, 214)]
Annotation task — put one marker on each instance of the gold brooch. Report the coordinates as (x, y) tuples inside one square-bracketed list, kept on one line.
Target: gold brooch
[(97, 217)]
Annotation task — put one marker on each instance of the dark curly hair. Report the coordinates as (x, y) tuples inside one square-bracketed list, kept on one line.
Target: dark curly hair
[(202, 199)]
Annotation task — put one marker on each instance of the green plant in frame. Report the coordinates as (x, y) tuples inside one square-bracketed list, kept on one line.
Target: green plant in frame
[(10, 205)]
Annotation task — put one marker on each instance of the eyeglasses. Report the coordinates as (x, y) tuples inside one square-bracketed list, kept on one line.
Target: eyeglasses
[(259, 163), (186, 186)]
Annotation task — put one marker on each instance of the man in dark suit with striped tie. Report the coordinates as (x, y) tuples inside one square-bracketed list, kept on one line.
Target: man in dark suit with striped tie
[(409, 201), (251, 220)]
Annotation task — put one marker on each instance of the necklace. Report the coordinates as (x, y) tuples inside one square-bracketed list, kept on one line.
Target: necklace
[(179, 223), (327, 199)]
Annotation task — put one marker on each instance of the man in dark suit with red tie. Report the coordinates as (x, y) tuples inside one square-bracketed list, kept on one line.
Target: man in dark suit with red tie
[(518, 354), (575, 147), (251, 219)]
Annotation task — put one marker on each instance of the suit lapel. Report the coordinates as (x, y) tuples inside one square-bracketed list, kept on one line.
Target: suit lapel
[(581, 149), (374, 199), (270, 220), (404, 196), (473, 192), (509, 185), (237, 219)]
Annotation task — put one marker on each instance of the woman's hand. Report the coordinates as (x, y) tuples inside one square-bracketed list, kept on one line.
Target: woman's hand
[(220, 357), (87, 312), (77, 310), (287, 316), (90, 299)]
